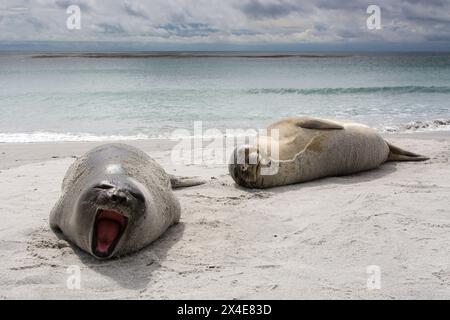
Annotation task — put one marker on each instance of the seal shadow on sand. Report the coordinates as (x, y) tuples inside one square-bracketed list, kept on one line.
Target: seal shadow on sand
[(133, 271)]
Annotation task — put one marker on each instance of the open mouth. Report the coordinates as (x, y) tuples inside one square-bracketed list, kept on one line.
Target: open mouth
[(108, 229)]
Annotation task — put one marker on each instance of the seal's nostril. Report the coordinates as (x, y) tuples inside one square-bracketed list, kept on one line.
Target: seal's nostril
[(119, 198)]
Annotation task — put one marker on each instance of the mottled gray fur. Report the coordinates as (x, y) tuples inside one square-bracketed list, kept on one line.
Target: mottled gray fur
[(312, 148), (123, 166)]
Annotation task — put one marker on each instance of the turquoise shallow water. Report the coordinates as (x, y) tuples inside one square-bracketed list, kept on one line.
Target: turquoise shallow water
[(75, 98)]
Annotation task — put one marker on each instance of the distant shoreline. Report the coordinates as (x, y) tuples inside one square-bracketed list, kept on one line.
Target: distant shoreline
[(49, 54), (182, 55)]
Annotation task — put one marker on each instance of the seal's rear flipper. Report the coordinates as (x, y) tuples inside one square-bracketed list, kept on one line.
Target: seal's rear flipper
[(398, 154), (184, 182), (318, 124)]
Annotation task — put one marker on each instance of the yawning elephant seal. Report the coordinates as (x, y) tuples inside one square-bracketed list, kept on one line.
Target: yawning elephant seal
[(311, 148), (116, 200)]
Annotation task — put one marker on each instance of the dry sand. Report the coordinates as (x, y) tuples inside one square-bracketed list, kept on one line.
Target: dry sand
[(313, 240)]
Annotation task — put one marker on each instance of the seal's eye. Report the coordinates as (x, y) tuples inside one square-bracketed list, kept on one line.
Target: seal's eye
[(137, 196), (104, 186)]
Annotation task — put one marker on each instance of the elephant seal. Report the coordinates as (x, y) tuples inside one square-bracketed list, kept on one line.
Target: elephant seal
[(311, 148), (116, 200)]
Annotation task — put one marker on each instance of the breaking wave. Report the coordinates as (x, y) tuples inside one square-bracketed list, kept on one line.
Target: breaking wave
[(67, 137), (42, 136), (361, 90), (422, 126)]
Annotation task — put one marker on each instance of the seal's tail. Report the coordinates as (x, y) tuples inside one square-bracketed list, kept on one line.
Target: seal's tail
[(184, 182), (398, 154)]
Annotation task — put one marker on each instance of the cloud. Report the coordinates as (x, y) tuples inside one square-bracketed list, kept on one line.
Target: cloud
[(273, 9), (134, 9), (110, 28), (83, 4), (188, 29), (231, 22)]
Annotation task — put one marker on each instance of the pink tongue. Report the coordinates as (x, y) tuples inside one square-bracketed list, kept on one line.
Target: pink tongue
[(107, 232)]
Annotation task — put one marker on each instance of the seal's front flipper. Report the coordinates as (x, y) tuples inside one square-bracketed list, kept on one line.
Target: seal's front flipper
[(318, 124), (184, 182), (398, 154)]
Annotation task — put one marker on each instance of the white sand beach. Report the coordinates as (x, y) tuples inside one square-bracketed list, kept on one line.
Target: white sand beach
[(306, 241)]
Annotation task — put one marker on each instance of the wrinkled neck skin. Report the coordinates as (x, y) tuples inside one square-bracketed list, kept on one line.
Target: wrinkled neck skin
[(285, 172), (267, 170), (266, 173), (120, 194), (276, 168)]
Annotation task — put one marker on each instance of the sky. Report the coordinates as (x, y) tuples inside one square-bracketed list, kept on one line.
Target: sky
[(226, 25)]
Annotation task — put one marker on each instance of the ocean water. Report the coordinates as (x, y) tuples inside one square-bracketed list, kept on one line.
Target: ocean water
[(76, 98)]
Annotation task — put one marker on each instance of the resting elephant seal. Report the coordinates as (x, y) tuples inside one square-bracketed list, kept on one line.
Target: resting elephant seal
[(116, 200), (311, 148)]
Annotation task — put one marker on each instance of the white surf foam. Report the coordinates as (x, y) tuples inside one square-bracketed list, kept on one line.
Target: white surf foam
[(42, 136)]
